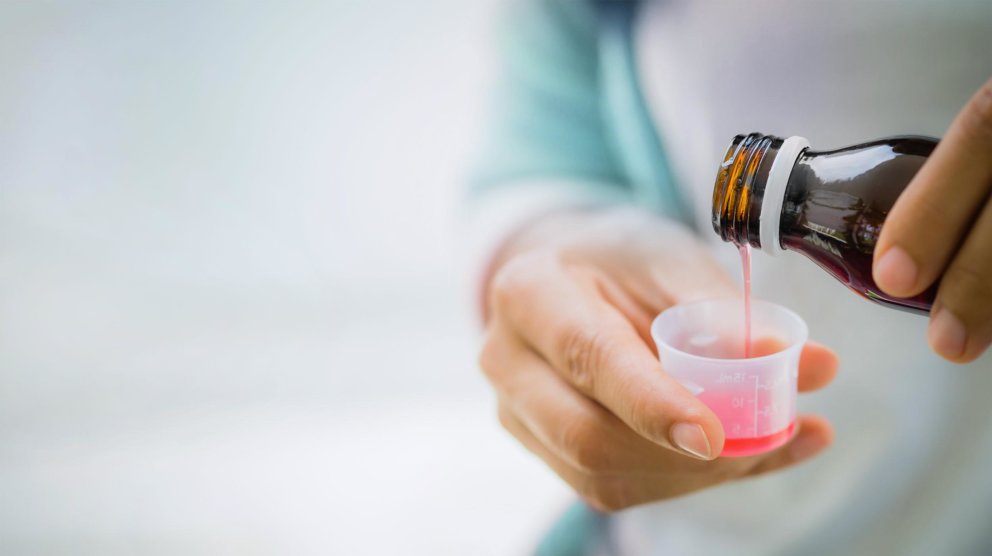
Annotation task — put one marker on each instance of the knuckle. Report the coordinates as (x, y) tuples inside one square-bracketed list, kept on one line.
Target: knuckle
[(489, 358), (927, 208), (514, 280), (977, 119), (966, 289), (923, 205), (585, 447), (648, 417), (506, 285), (583, 349), (505, 418)]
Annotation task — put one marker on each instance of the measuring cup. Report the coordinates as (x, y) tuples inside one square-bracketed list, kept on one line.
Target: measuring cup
[(701, 344)]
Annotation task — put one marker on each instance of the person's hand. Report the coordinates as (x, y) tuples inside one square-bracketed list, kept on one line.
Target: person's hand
[(569, 354), (942, 225)]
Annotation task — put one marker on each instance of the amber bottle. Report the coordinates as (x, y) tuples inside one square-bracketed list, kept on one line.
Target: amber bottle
[(777, 194)]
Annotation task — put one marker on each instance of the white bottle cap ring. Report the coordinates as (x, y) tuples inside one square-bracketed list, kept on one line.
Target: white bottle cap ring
[(774, 194)]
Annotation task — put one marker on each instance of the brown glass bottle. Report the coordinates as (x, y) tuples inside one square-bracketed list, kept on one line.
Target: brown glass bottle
[(776, 194)]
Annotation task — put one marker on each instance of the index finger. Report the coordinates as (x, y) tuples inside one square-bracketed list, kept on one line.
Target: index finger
[(562, 315), (929, 219)]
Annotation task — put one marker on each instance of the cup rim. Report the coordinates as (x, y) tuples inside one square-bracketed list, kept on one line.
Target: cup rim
[(803, 330)]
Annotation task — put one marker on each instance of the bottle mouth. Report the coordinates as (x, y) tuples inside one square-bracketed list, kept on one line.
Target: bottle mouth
[(739, 188)]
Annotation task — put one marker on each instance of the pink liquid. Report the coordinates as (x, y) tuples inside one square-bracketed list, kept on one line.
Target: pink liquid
[(748, 406), (746, 266), (744, 421), (738, 447)]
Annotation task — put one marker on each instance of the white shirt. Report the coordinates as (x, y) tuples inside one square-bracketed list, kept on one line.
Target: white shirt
[(908, 471)]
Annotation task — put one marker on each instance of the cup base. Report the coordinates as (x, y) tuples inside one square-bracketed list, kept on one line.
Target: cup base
[(740, 447)]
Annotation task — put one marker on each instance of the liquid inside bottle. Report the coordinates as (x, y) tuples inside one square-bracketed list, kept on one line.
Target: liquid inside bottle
[(776, 194)]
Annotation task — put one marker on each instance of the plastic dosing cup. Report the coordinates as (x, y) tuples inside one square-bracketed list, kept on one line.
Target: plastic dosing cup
[(701, 344)]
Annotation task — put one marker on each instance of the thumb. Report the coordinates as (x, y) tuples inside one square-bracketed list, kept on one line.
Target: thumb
[(690, 275), (668, 280)]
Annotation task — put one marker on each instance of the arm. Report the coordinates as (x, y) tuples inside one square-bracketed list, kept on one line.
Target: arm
[(546, 149), (575, 283)]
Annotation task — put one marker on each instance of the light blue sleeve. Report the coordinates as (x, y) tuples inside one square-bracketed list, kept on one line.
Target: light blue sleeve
[(549, 146), (547, 122), (569, 115)]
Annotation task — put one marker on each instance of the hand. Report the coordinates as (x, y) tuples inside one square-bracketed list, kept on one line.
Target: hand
[(942, 225), (569, 354)]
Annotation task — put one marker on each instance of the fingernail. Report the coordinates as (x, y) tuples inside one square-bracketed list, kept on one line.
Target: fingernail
[(896, 272), (690, 438), (947, 334), (804, 447)]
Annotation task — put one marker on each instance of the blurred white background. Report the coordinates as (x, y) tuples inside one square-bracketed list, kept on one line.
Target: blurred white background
[(231, 316)]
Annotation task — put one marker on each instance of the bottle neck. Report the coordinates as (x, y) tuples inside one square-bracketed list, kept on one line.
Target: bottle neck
[(750, 189)]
